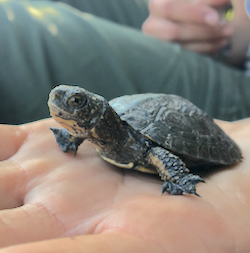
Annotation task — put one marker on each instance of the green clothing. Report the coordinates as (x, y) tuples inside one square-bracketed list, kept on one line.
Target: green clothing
[(45, 43)]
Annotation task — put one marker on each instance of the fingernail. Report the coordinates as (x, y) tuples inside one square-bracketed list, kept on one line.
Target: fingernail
[(212, 18)]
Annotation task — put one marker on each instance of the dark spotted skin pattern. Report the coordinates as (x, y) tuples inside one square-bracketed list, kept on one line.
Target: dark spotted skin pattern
[(137, 134), (174, 172)]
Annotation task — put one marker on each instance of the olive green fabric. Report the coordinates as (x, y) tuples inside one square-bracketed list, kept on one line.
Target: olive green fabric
[(127, 12), (45, 43)]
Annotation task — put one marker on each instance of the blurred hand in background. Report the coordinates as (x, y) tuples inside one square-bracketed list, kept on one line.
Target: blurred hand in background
[(200, 25)]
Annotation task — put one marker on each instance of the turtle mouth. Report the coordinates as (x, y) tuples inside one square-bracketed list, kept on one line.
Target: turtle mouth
[(66, 120), (57, 112)]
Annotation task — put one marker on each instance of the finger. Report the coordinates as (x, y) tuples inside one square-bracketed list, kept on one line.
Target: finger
[(11, 185), (31, 222), (28, 147), (20, 174), (205, 47), (237, 129), (11, 138), (183, 11), (170, 31), (105, 243), (214, 3)]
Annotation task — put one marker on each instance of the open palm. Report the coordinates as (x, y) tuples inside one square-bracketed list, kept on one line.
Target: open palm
[(87, 205)]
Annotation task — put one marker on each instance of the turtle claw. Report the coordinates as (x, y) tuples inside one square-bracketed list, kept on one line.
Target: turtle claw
[(171, 188), (185, 185), (75, 150), (195, 193)]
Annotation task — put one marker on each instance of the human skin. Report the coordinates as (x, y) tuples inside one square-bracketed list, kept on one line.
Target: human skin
[(197, 26), (55, 202)]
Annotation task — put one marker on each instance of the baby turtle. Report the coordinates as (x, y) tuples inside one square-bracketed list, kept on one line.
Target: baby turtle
[(152, 133)]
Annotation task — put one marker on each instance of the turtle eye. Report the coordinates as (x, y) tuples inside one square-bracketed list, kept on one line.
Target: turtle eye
[(76, 100)]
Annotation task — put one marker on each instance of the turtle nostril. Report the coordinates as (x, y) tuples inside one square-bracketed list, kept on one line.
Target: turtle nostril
[(59, 114)]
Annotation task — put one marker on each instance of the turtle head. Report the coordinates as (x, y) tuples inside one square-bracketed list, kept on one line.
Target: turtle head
[(76, 109)]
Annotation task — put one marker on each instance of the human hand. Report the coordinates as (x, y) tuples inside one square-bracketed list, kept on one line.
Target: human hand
[(194, 24), (55, 202)]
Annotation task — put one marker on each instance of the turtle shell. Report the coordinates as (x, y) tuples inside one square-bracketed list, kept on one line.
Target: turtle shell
[(179, 126)]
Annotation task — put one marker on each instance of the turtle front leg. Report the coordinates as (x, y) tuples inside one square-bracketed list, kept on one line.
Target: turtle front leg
[(66, 141), (174, 173)]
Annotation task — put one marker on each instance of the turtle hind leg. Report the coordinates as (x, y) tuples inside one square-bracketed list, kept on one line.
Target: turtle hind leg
[(65, 141), (174, 173)]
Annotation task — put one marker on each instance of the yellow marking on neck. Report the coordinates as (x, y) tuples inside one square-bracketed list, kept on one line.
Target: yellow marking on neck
[(124, 166), (70, 125), (128, 165), (94, 134), (146, 170)]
